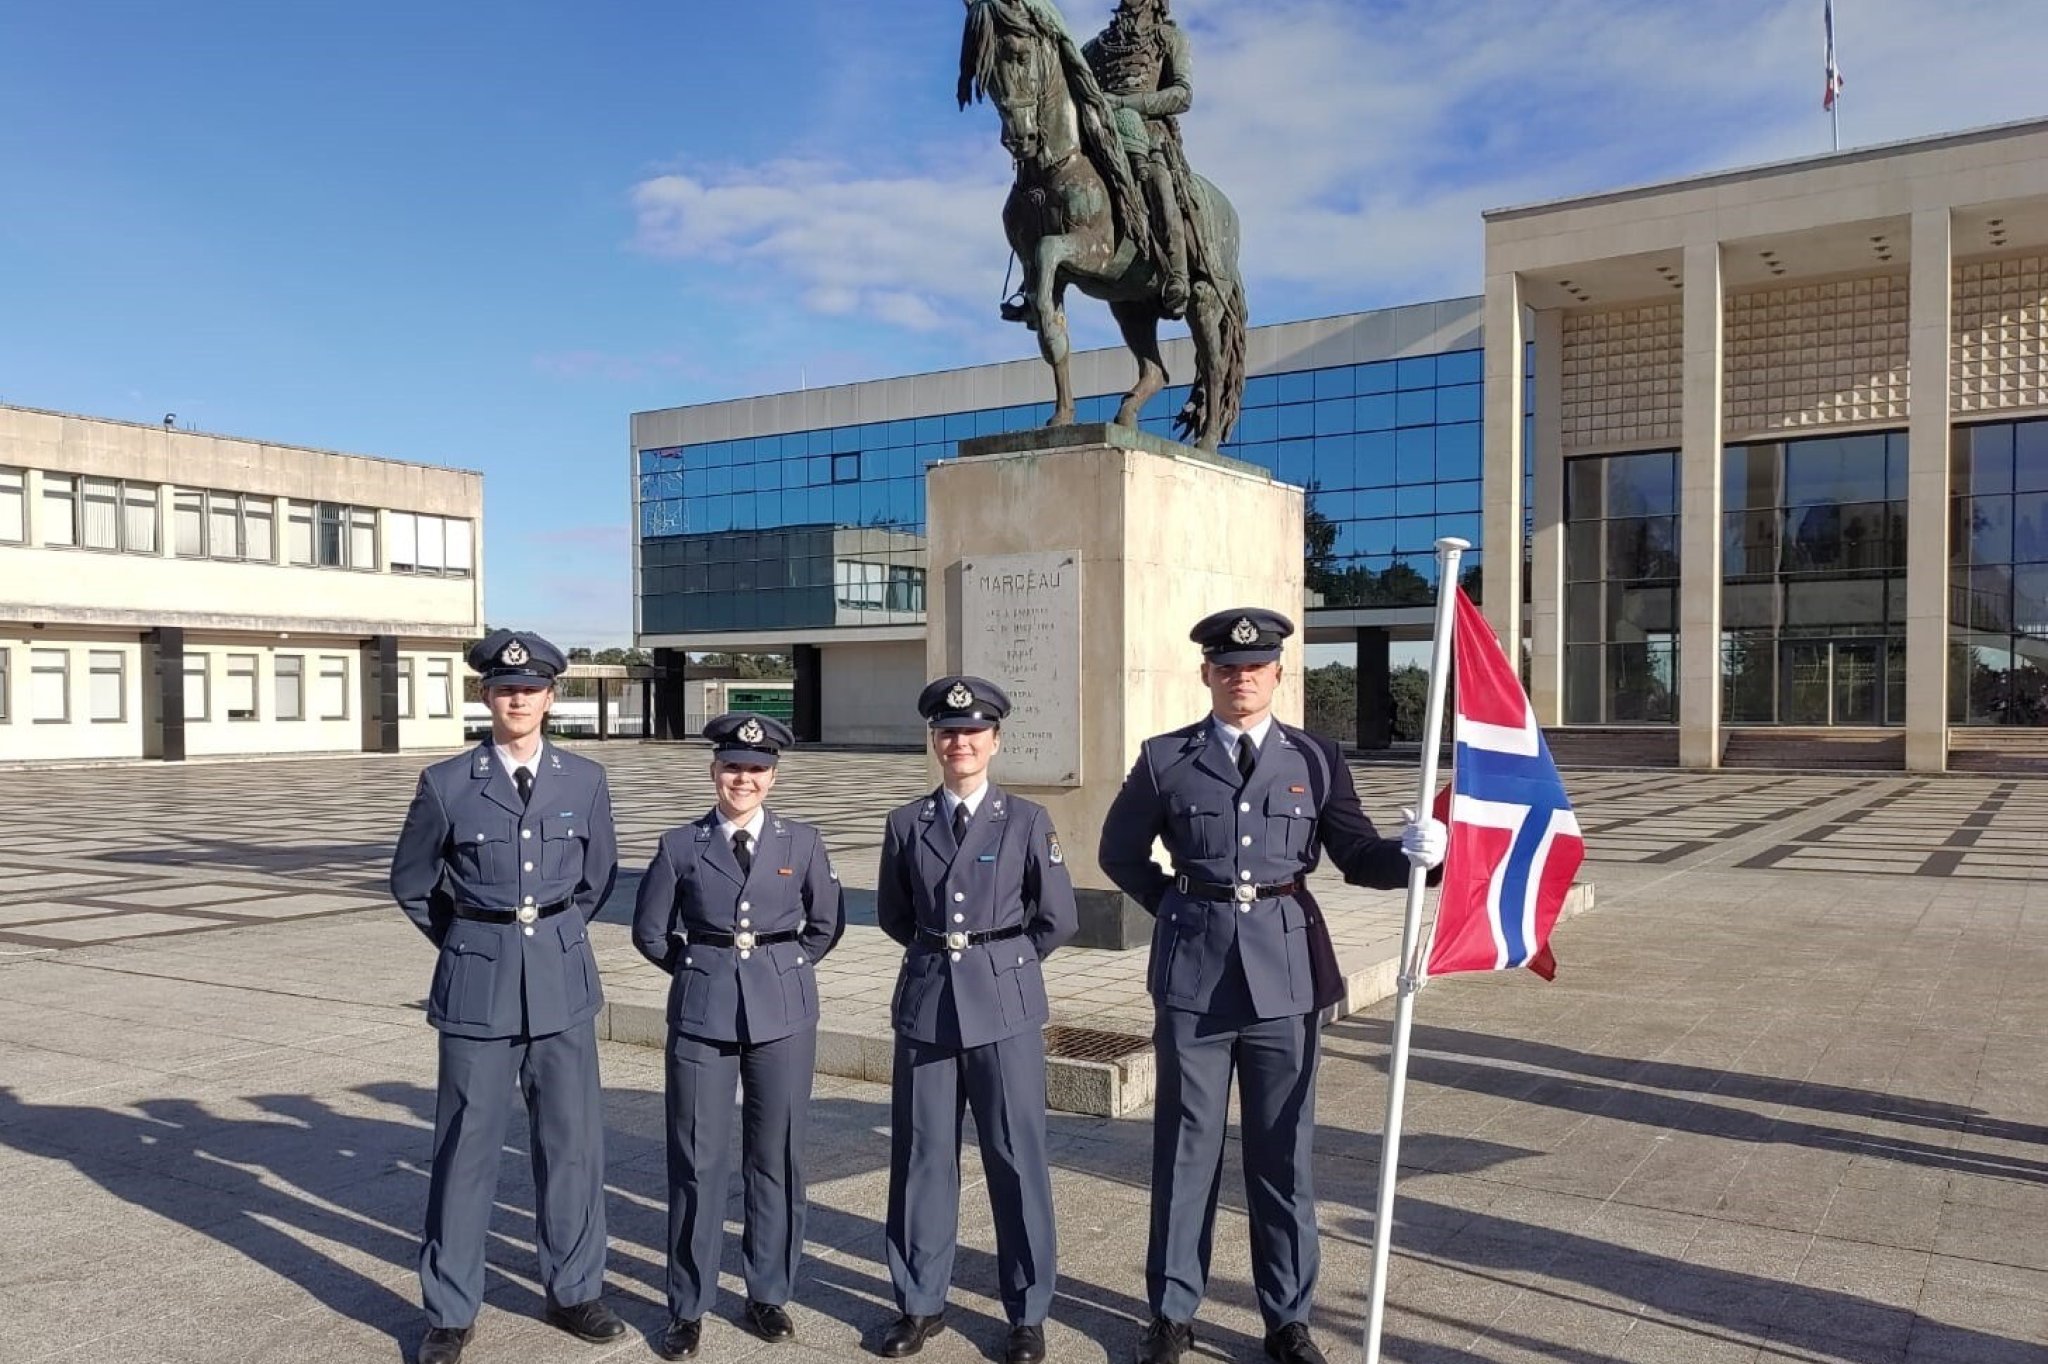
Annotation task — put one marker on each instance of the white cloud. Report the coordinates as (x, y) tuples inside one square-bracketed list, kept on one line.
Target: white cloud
[(1361, 142)]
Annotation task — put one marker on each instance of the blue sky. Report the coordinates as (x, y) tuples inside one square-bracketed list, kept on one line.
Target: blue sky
[(483, 235)]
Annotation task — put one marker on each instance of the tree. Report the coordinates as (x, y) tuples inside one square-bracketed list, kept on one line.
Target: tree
[(1331, 701)]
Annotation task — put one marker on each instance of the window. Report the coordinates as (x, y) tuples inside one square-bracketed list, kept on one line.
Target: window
[(13, 511), (291, 686), (238, 696), (1998, 574), (107, 692), (49, 686), (331, 694), (138, 518), (330, 539), (428, 544), (362, 539), (101, 513), (1621, 589), (405, 689), (224, 525), (440, 687), (60, 509), (195, 688), (258, 513), (5, 657), (846, 468), (298, 533), (188, 524)]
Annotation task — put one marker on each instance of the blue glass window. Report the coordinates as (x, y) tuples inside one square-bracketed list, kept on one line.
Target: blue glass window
[(1258, 424), (1458, 497), (1375, 412), (1457, 451), (1377, 377), (1415, 456), (846, 468), (1339, 381), (1375, 451), (1415, 499), (1333, 415), (1416, 408), (930, 429), (1296, 462), (1419, 372), (1298, 387), (1261, 390), (1458, 403), (1461, 367), (1297, 420)]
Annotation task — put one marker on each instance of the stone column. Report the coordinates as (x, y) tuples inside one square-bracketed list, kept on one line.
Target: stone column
[(1091, 551), (163, 655), (670, 719), (807, 699), (1699, 512), (1500, 523), (1928, 328), (379, 688), (1546, 538)]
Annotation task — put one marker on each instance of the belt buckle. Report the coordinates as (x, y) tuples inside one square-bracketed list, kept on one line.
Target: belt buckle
[(956, 941), (744, 940), (1245, 892), (526, 914)]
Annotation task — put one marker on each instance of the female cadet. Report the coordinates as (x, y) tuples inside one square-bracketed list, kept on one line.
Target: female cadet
[(739, 907), (974, 886)]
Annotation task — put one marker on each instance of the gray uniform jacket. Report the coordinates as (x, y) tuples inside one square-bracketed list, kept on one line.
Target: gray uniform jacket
[(468, 842), (694, 885), (1010, 873), (1298, 803)]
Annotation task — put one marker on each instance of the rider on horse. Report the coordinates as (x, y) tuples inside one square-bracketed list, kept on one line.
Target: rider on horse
[(1141, 62)]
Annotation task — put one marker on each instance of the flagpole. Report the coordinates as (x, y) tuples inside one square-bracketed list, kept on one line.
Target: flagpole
[(1448, 551)]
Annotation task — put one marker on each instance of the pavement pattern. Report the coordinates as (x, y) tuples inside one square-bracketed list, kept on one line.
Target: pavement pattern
[(1784, 1102)]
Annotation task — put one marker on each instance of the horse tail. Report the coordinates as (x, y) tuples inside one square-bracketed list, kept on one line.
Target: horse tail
[(1236, 329)]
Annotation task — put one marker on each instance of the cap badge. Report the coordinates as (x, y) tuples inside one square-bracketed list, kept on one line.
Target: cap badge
[(751, 732), (959, 698), (514, 654), (1244, 632)]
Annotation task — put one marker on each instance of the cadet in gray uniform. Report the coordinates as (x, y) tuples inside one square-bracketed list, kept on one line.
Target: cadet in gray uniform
[(974, 886), (739, 907), (507, 852), (1241, 967)]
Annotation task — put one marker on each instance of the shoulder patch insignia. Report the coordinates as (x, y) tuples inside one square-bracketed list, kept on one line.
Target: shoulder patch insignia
[(1052, 849)]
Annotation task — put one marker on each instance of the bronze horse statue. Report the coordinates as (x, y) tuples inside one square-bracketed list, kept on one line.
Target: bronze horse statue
[(1075, 216)]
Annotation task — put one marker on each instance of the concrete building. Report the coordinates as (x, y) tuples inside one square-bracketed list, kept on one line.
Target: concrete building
[(1789, 454), (1796, 414), (168, 594)]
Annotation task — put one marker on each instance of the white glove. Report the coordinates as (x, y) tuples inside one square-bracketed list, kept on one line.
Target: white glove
[(1424, 842)]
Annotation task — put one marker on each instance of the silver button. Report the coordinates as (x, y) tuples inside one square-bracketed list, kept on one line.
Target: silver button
[(959, 895), (1244, 876), (570, 833), (956, 956), (745, 905), (1020, 961), (1297, 809), (479, 838), (523, 833), (802, 960), (745, 955), (1244, 909), (745, 924), (1246, 840), (1245, 806), (959, 918), (529, 866), (529, 932), (529, 899)]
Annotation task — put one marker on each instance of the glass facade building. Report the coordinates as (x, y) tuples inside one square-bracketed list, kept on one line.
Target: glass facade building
[(824, 528)]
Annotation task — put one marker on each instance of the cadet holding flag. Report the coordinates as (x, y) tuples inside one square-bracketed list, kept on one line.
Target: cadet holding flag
[(974, 885), (738, 907), (507, 852), (1242, 965)]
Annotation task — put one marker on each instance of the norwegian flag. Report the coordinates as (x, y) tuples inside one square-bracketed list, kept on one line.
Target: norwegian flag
[(1834, 69), (1515, 843)]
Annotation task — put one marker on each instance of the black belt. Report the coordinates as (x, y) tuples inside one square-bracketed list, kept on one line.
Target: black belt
[(957, 940), (525, 914), (1243, 892), (743, 940)]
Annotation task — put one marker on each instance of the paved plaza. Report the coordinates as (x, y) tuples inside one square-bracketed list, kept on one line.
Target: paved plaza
[(1785, 1101)]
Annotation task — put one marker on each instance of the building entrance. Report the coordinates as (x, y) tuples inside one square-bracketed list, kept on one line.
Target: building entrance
[(1832, 682)]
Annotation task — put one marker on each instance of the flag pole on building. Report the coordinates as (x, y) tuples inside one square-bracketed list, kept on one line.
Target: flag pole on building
[(1448, 551), (1831, 99)]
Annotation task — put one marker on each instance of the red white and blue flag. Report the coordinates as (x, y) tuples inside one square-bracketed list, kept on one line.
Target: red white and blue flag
[(1515, 843), (1834, 69)]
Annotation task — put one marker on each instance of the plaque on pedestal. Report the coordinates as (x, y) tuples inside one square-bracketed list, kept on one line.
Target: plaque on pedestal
[(1020, 623)]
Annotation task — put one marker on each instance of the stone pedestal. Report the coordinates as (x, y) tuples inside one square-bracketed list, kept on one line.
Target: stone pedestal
[(1067, 566)]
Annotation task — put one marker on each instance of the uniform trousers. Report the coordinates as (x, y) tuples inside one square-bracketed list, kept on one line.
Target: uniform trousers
[(557, 1075), (775, 1114), (931, 1092), (1274, 1060)]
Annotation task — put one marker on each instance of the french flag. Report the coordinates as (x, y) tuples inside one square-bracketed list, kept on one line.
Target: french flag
[(1834, 68), (1514, 842)]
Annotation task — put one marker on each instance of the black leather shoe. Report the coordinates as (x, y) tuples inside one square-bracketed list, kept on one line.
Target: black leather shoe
[(1164, 1341), (769, 1321), (906, 1335), (1291, 1345), (591, 1321), (679, 1341), (1027, 1345), (443, 1344)]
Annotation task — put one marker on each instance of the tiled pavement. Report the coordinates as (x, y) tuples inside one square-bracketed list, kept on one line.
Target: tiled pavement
[(1784, 1103)]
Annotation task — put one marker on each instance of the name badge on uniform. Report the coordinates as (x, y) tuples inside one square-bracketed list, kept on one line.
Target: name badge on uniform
[(986, 857), (784, 871), (1297, 790)]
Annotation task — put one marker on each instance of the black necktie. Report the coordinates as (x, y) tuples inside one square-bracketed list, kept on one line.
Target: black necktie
[(523, 779), (1247, 756), (960, 818), (741, 853)]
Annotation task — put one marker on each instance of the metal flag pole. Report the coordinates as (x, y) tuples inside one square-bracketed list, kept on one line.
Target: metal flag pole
[(1448, 551)]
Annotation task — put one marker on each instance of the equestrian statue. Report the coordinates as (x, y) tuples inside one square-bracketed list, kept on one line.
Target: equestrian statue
[(1104, 199)]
